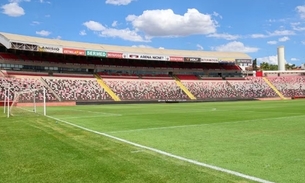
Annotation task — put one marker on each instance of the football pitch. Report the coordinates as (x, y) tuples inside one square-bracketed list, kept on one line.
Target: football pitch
[(249, 141)]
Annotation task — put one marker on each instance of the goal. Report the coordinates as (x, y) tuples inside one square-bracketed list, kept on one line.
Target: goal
[(27, 101)]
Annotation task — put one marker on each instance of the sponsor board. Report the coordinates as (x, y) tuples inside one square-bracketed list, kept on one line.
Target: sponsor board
[(70, 51), (146, 57), (244, 61), (176, 59), (51, 49), (210, 60), (95, 53), (130, 56), (192, 59), (226, 60), (114, 55)]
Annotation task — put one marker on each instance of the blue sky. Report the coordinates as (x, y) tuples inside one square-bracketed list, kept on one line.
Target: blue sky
[(254, 27)]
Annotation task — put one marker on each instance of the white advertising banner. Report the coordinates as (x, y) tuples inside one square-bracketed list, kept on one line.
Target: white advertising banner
[(145, 57), (51, 49)]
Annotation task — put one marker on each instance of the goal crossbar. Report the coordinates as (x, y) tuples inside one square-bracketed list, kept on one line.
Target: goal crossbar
[(32, 94)]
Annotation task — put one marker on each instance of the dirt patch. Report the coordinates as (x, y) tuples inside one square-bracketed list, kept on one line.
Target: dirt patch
[(73, 103), (266, 99)]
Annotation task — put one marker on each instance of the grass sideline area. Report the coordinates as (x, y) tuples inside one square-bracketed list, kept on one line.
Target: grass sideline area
[(263, 139)]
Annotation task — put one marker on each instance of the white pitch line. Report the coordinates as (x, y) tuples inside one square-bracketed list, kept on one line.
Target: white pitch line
[(206, 124), (238, 174)]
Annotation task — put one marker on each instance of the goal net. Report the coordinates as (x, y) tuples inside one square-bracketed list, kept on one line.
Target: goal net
[(27, 101)]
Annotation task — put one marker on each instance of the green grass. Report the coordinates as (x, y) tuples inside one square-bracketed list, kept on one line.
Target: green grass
[(264, 139)]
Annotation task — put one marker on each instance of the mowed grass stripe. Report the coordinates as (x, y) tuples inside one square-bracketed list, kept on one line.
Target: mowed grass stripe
[(37, 149), (234, 173), (265, 148), (206, 124)]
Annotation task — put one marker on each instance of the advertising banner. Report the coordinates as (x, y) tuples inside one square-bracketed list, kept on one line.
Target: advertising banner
[(70, 51), (114, 55), (209, 60), (154, 57), (244, 61), (130, 56), (227, 60), (146, 57), (192, 59), (95, 53), (176, 59), (51, 49)]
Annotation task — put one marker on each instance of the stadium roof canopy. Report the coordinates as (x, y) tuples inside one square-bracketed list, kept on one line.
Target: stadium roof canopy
[(7, 39)]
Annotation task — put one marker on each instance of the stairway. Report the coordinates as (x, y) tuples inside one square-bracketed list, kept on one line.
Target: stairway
[(183, 88), (106, 88), (45, 84), (230, 85), (274, 89)]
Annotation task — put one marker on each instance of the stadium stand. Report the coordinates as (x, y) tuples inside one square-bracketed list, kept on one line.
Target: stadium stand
[(146, 89), (289, 86), (252, 87), (78, 76), (210, 89), (77, 89), (22, 84)]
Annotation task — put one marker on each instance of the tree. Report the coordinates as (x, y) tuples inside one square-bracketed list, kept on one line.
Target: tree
[(290, 66), (254, 64), (268, 67)]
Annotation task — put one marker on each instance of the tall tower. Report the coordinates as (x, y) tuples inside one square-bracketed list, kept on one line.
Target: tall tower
[(281, 58)]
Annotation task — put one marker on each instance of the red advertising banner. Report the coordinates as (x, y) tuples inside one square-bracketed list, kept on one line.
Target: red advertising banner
[(74, 51), (114, 55), (176, 59)]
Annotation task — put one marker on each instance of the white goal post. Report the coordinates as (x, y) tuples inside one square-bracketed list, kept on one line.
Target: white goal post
[(6, 102), (25, 101)]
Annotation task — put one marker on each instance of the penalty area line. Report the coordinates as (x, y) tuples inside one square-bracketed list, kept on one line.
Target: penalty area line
[(238, 174)]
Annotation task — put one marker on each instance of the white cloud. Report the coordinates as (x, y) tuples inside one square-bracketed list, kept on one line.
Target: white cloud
[(94, 26), (281, 33), (269, 59), (298, 26), (18, 1), (199, 47), (141, 46), (43, 1), (284, 39), (12, 9), (35, 23), (225, 36), (277, 20), (273, 34), (43, 33), (272, 42), (301, 11), (236, 46), (165, 23), (217, 15), (114, 23), (82, 33), (118, 2), (294, 59), (258, 36), (126, 34)]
